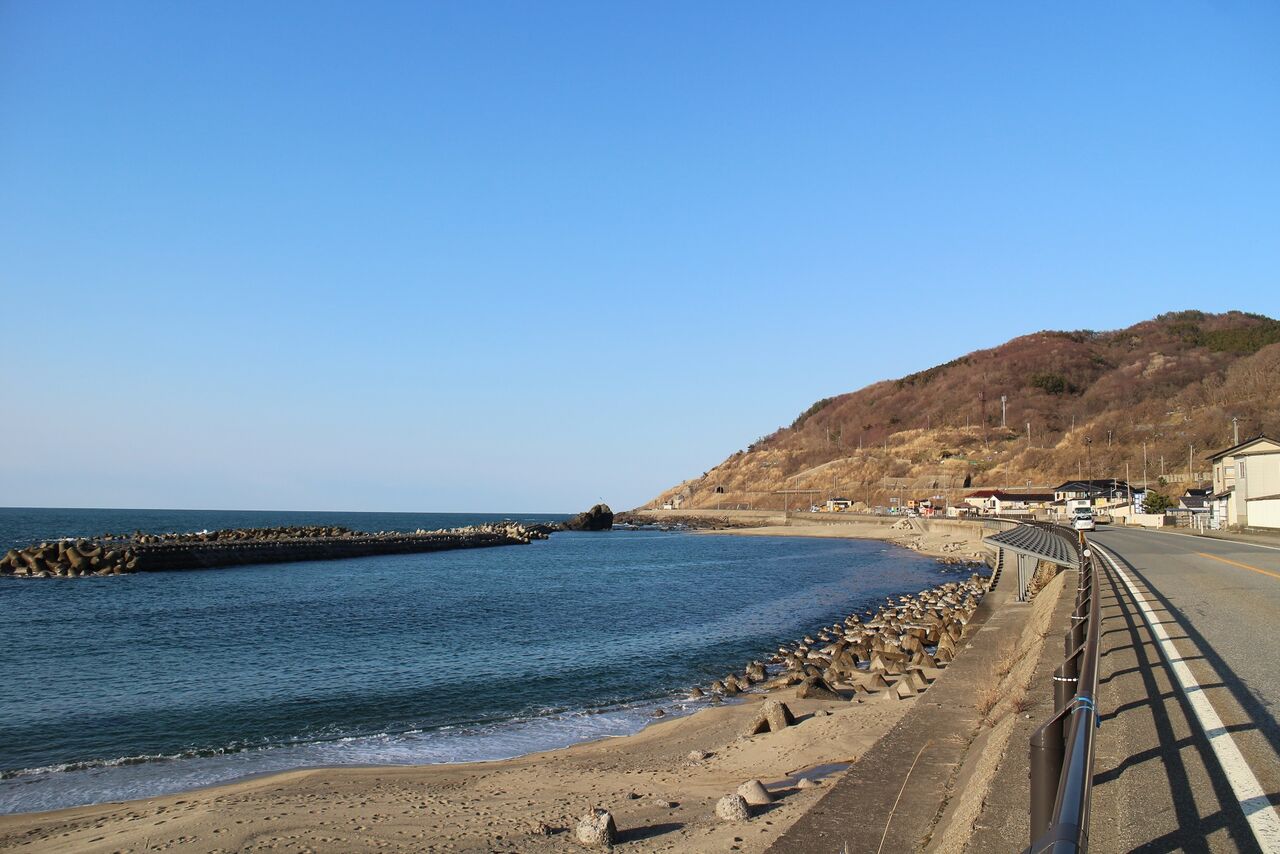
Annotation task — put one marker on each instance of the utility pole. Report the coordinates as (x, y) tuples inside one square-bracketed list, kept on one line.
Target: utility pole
[(1144, 465), (1108, 438), (1003, 401), (1028, 434), (1191, 453), (982, 404), (1162, 466), (1128, 486), (1235, 431)]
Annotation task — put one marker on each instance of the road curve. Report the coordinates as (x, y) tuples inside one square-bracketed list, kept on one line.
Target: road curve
[(1161, 782)]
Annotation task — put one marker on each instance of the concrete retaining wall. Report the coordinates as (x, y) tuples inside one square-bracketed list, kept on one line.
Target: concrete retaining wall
[(154, 557)]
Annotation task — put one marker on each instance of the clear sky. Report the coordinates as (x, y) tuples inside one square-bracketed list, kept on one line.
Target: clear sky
[(524, 256)]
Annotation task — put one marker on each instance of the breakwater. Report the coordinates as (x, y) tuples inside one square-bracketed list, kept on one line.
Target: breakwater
[(891, 651), (118, 554)]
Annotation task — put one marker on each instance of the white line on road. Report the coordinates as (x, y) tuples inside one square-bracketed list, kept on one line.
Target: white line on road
[(1261, 816), (1200, 538)]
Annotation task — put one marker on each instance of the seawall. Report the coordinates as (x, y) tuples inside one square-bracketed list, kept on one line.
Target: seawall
[(111, 555)]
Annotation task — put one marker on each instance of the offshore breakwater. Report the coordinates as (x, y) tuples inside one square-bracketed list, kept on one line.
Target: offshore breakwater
[(115, 554)]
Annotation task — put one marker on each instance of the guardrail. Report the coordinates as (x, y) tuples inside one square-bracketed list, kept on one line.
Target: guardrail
[(1062, 749)]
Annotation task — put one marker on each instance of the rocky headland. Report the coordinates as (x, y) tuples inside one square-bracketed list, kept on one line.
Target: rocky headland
[(598, 518)]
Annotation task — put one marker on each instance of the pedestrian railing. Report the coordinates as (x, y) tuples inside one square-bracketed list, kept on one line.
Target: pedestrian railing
[(1062, 749)]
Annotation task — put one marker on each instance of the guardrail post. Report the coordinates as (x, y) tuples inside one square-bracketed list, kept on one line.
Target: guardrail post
[(1047, 752)]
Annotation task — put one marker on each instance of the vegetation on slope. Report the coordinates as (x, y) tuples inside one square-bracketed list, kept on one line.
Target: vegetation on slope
[(1094, 401)]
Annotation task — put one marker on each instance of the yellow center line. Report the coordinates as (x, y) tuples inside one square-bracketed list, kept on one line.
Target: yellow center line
[(1241, 565)]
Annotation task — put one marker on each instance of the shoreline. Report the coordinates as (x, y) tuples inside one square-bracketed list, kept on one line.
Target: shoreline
[(645, 778), (660, 798), (945, 545)]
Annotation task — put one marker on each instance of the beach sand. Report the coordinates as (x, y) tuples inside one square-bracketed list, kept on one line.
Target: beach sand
[(957, 541), (660, 798)]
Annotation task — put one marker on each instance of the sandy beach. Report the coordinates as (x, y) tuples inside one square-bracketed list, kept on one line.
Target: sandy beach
[(662, 800), (958, 540)]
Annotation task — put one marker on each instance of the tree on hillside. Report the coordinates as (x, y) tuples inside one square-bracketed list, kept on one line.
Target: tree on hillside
[(1157, 502)]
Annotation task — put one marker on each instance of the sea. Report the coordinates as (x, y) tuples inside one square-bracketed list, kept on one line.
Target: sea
[(140, 685)]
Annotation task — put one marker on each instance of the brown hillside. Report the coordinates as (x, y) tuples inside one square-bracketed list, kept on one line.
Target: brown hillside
[(1092, 399)]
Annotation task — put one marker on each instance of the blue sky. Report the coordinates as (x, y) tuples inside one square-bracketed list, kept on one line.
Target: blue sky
[(525, 256)]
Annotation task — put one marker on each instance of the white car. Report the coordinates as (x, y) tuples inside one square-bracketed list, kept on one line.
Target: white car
[(1083, 522)]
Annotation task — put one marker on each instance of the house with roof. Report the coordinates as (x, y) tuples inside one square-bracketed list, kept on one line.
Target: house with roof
[(980, 499), (1020, 503), (1003, 502), (1246, 485), (1096, 494), (1195, 501)]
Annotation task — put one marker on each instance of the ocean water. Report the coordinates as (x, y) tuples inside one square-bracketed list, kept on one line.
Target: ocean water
[(138, 685)]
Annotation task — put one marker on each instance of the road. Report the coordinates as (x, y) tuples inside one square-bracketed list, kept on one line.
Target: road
[(1161, 782)]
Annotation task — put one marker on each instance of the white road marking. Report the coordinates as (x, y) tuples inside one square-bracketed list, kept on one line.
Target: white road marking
[(1262, 817), (1198, 537)]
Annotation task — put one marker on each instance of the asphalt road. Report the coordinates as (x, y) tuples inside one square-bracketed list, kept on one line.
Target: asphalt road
[(1161, 782)]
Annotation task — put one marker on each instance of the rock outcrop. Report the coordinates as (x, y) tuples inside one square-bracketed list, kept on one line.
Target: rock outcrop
[(598, 518)]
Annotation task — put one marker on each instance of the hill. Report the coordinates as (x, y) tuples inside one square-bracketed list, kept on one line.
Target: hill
[(1093, 402)]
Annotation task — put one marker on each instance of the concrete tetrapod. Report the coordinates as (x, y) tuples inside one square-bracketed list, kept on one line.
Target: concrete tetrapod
[(774, 716), (755, 794)]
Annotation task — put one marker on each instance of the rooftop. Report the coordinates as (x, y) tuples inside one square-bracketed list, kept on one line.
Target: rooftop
[(1242, 447)]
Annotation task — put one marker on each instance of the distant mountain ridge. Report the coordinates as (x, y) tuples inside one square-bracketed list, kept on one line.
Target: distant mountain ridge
[(1092, 400)]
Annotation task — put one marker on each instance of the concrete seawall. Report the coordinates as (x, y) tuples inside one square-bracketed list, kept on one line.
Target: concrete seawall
[(182, 556), (113, 555)]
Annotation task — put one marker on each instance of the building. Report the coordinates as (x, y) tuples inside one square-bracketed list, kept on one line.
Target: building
[(1246, 485), (1020, 503), (1195, 501), (980, 499), (1001, 502), (1105, 494), (838, 505)]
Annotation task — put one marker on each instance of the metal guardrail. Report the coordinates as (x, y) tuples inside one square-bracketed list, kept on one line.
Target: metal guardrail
[(1062, 749), (1032, 543)]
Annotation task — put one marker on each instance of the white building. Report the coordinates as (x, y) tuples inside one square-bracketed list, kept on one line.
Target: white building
[(1246, 485)]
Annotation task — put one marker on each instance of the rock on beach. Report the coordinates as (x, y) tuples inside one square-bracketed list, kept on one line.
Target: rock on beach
[(733, 808), (597, 829)]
